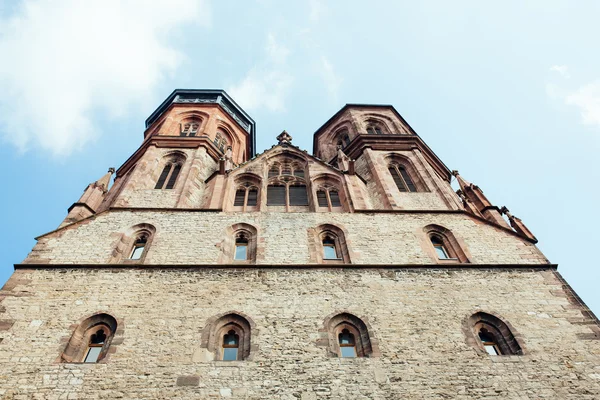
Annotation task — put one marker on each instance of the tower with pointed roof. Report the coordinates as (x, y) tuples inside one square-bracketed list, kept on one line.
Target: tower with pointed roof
[(356, 272)]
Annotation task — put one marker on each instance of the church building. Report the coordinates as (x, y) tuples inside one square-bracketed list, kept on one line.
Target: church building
[(201, 270)]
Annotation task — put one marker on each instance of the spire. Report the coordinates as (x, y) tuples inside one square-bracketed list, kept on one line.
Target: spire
[(474, 200), (517, 224), (90, 200), (461, 182), (104, 182)]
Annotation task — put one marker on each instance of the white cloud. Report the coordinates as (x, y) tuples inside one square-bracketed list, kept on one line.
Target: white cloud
[(63, 61), (587, 98), (561, 69), (267, 83), (331, 80)]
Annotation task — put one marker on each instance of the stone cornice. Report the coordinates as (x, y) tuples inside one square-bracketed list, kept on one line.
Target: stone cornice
[(449, 267)]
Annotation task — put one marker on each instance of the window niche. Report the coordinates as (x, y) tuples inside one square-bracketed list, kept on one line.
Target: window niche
[(247, 193), (228, 337), (343, 139), (92, 341), (490, 335), (171, 169), (443, 247), (330, 245), (329, 198), (347, 336), (132, 246), (190, 127), (239, 244)]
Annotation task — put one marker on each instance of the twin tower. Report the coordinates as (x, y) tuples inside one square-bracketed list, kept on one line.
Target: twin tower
[(208, 271)]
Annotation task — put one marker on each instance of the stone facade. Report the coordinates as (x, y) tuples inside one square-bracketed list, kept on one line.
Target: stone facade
[(417, 267)]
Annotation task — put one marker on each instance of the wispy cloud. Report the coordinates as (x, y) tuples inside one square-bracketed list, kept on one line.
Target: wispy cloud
[(331, 80), (266, 84), (316, 10), (64, 61), (587, 98), (561, 69)]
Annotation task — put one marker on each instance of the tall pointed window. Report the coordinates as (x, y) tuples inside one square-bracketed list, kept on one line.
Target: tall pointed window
[(169, 174), (440, 249), (402, 178), (241, 247), (287, 186), (246, 195), (221, 141), (328, 197), (329, 250), (138, 247), (332, 245), (343, 139), (489, 342)]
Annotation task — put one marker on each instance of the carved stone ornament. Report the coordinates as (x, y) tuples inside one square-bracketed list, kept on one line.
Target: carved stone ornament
[(284, 138)]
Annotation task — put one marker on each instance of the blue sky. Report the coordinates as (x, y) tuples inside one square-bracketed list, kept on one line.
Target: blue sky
[(507, 93)]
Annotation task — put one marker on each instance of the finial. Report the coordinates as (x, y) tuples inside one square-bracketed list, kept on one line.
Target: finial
[(454, 172), (284, 138), (111, 170)]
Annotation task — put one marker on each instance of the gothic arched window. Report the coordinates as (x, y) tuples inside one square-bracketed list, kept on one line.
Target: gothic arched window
[(90, 340), (220, 141), (287, 186), (332, 244), (401, 178), (189, 128), (139, 247), (228, 337), (445, 248), (241, 246), (329, 197), (492, 335), (343, 139), (246, 195), (349, 337), (169, 174), (134, 246)]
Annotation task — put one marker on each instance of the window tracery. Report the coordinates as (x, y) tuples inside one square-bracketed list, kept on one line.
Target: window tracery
[(287, 186), (91, 340), (491, 335), (170, 172)]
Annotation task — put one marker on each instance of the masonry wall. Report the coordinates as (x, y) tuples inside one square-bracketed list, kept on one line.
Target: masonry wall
[(416, 316), (283, 238)]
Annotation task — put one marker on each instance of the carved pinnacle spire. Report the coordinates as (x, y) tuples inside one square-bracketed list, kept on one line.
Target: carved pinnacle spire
[(461, 182), (105, 180), (284, 138)]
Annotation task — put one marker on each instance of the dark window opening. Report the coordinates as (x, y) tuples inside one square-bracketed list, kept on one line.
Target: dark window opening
[(138, 248), (347, 344), (231, 344)]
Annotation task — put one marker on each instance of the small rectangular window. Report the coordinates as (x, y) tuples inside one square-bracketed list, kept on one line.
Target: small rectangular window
[(335, 199), (441, 252), (329, 253), (137, 252), (322, 198), (240, 195), (348, 351), (230, 353), (93, 354), (252, 197), (241, 252), (298, 196), (276, 195), (491, 349)]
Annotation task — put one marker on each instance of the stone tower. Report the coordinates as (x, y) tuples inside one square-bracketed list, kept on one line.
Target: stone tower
[(206, 271)]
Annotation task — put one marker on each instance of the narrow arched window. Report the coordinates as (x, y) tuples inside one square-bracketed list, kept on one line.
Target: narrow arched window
[(274, 171), (231, 344), (489, 342), (401, 178), (240, 198), (138, 247), (347, 344), (220, 141), (95, 346), (189, 128), (246, 195), (91, 340), (168, 176), (492, 335), (374, 130), (276, 195), (328, 197), (241, 247), (330, 251), (298, 195), (440, 249)]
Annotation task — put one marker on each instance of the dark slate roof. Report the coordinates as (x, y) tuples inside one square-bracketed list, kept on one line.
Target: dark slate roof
[(209, 96)]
